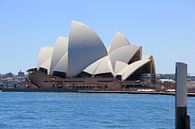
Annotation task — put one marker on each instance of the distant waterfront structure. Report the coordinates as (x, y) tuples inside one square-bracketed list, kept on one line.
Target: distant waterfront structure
[(21, 74), (166, 76), (83, 55), (10, 74)]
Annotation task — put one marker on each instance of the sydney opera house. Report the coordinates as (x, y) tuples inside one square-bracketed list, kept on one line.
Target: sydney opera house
[(82, 62)]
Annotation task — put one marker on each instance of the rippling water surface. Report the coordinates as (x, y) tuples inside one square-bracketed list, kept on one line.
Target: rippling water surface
[(88, 111)]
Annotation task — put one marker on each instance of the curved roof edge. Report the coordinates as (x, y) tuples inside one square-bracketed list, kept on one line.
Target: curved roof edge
[(153, 66), (104, 66), (44, 59), (101, 66), (144, 57), (119, 66), (153, 63), (130, 69), (91, 68), (124, 54), (60, 49), (62, 65), (85, 47), (118, 41)]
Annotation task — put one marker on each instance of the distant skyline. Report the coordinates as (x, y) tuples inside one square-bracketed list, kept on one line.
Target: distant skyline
[(165, 29)]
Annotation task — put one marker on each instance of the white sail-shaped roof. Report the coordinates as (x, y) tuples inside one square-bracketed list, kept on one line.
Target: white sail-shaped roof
[(85, 47), (62, 64), (91, 68), (84, 51), (119, 66), (130, 69), (58, 62), (101, 66), (118, 41), (104, 66), (124, 54), (44, 59)]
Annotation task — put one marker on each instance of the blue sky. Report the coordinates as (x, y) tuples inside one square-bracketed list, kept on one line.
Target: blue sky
[(165, 29)]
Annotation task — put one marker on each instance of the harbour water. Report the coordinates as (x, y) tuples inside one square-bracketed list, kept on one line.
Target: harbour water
[(89, 111)]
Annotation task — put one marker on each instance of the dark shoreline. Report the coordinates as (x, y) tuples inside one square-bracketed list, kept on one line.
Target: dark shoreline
[(89, 91)]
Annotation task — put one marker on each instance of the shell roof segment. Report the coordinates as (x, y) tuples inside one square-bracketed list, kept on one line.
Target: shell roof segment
[(58, 55), (101, 66), (85, 47), (44, 59), (118, 41), (124, 54), (130, 69)]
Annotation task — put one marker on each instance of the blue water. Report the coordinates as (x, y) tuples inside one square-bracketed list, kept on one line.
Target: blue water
[(88, 111)]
